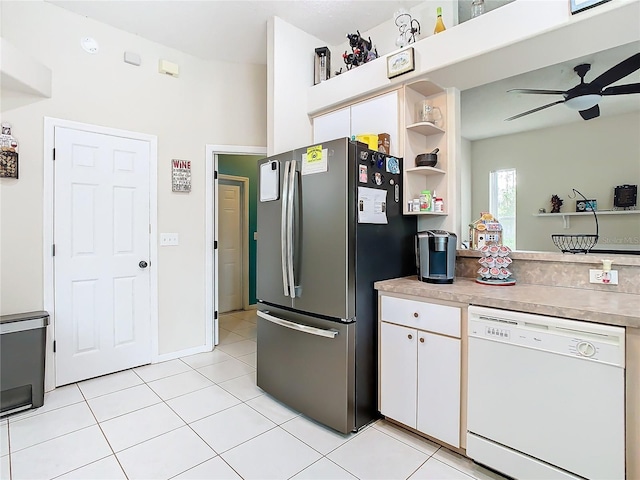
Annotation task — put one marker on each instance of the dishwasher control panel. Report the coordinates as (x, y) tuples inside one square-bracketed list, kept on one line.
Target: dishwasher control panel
[(589, 341), (497, 332)]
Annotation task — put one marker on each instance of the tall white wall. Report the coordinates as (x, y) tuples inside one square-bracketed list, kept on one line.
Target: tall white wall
[(290, 61), (591, 156), (211, 102)]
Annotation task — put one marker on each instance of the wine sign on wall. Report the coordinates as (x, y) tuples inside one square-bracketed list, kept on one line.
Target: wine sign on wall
[(181, 175)]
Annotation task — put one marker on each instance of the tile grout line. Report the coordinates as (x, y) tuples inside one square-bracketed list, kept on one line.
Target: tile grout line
[(102, 432)]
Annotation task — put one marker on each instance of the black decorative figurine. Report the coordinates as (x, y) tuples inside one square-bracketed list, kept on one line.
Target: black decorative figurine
[(556, 203), (362, 51)]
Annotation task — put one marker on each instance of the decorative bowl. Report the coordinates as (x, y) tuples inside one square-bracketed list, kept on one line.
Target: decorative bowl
[(426, 160)]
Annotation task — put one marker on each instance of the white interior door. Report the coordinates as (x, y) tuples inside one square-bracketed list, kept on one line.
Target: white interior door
[(101, 236), (230, 248)]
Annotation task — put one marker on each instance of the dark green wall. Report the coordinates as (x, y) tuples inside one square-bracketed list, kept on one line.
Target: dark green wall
[(246, 166)]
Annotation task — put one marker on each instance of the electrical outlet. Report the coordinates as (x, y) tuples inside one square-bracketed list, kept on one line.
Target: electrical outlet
[(169, 239), (598, 276)]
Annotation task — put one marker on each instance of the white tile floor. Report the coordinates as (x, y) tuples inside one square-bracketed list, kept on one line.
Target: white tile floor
[(203, 417)]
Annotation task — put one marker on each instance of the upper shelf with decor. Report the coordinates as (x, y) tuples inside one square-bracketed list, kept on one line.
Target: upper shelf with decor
[(449, 59)]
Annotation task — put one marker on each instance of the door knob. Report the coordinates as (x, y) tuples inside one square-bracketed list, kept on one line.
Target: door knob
[(143, 264)]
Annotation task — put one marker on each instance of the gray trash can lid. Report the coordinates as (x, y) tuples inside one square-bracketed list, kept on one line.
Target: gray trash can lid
[(23, 321)]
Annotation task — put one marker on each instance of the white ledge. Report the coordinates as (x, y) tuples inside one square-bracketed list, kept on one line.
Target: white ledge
[(538, 37), (21, 73)]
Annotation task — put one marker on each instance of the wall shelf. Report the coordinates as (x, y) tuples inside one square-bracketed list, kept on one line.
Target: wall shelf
[(425, 128), (566, 215), (420, 137), (425, 170), (426, 88), (437, 214)]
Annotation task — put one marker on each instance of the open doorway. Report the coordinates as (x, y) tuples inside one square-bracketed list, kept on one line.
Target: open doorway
[(233, 246), (224, 161), (239, 167)]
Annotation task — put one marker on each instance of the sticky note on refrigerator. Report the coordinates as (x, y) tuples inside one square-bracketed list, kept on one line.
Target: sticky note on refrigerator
[(315, 160)]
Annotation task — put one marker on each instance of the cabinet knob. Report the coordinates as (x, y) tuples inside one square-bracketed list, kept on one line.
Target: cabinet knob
[(415, 314), (409, 336), (422, 340)]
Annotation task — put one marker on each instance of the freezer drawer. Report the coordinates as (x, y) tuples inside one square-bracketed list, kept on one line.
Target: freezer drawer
[(309, 364)]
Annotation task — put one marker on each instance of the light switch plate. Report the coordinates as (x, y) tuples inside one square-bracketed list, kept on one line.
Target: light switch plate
[(169, 239)]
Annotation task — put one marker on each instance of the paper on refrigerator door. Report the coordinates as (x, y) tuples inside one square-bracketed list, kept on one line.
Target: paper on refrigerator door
[(372, 205), (315, 160), (269, 181)]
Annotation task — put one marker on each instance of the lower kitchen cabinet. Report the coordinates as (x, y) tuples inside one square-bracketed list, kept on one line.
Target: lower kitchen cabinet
[(420, 366), (399, 373), (438, 412)]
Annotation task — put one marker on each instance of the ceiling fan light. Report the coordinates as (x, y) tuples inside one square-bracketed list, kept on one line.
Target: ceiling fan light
[(583, 102)]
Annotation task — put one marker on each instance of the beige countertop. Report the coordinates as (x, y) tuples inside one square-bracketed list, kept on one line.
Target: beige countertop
[(575, 303)]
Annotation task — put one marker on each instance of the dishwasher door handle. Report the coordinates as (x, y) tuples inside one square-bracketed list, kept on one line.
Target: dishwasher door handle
[(296, 326)]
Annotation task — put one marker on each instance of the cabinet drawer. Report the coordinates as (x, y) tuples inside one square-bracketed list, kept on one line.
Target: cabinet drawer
[(421, 315)]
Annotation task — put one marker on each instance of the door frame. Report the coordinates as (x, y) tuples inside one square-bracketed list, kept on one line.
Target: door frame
[(50, 123), (211, 230), (244, 183)]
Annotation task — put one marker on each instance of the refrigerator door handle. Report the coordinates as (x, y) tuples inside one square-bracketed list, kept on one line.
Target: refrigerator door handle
[(290, 214), (283, 229), (296, 326)]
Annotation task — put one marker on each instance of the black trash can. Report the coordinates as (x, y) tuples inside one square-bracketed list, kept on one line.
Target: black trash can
[(22, 353)]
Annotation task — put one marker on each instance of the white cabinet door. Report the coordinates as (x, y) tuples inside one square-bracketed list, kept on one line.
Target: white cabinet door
[(332, 125), (438, 410), (378, 115), (398, 372)]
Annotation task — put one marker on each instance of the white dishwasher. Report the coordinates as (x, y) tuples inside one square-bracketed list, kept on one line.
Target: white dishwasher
[(546, 396)]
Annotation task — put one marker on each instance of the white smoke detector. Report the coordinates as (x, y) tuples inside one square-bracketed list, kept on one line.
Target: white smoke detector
[(89, 45)]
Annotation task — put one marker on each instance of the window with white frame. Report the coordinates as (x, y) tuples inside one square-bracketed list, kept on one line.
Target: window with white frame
[(502, 203)]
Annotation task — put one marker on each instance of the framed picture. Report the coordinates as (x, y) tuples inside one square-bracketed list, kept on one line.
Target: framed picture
[(580, 5), (625, 196), (400, 63)]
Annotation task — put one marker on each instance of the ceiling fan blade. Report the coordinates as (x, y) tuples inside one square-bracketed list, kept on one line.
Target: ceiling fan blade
[(590, 113), (622, 89), (618, 71), (534, 110), (531, 90)]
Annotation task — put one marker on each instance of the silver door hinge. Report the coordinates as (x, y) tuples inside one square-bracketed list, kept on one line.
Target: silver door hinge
[(54, 346), (215, 315), (215, 245), (54, 154), (53, 250), (215, 174)]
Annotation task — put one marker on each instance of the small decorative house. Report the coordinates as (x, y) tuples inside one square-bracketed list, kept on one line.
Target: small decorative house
[(485, 231)]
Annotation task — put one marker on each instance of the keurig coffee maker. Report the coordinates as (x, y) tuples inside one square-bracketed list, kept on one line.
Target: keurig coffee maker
[(436, 256)]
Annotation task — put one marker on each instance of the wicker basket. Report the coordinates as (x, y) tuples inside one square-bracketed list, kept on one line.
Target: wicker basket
[(577, 243)]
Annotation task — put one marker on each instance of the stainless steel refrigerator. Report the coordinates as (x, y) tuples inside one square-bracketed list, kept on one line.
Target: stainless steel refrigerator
[(330, 224)]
